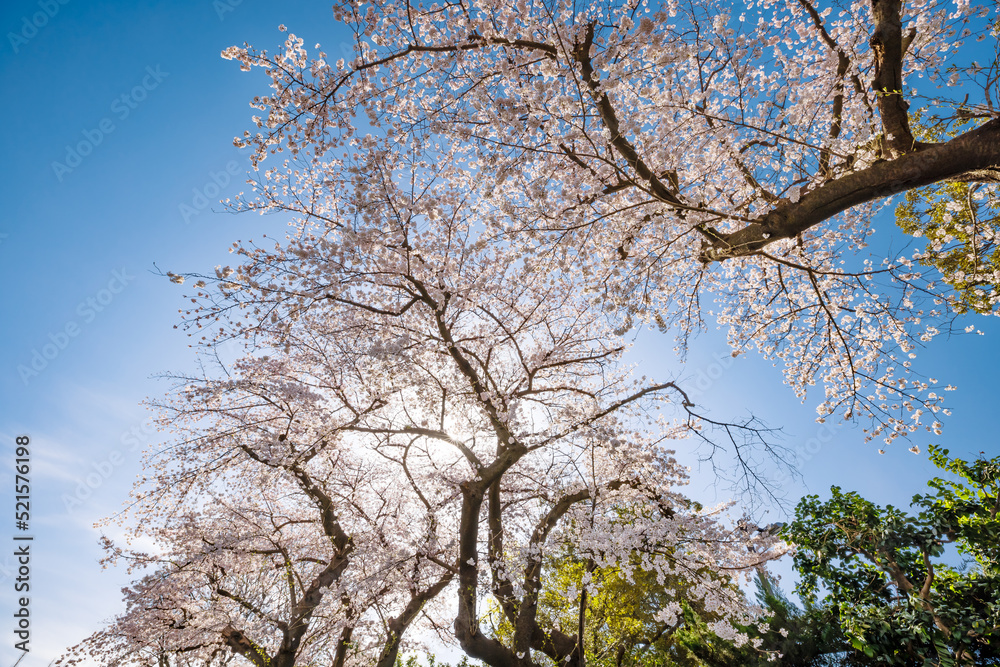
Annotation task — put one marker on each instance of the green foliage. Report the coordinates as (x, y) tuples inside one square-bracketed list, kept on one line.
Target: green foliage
[(429, 660), (877, 588), (786, 636), (620, 625), (969, 507), (621, 629), (961, 222), (884, 576)]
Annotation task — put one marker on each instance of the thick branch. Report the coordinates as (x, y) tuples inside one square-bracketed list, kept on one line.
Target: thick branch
[(473, 641), (610, 118), (303, 611), (925, 596), (344, 643), (888, 46), (503, 587), (559, 646), (398, 625), (974, 155), (240, 643)]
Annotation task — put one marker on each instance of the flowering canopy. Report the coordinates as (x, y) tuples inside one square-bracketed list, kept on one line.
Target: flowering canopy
[(420, 410), (487, 196), (682, 151)]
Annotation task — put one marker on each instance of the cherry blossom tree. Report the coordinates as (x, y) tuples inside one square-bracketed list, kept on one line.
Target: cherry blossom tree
[(686, 152), (419, 418), (486, 197)]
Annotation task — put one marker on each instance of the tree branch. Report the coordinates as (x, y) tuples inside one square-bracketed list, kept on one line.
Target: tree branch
[(974, 155)]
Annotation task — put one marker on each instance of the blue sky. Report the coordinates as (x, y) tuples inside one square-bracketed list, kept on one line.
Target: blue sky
[(137, 108)]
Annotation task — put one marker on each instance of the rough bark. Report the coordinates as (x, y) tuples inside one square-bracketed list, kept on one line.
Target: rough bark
[(974, 155), (399, 624), (888, 46)]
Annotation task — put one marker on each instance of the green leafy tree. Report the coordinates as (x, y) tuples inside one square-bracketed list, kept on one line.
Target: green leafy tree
[(960, 221), (621, 628), (887, 576), (430, 660), (786, 636), (619, 609)]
